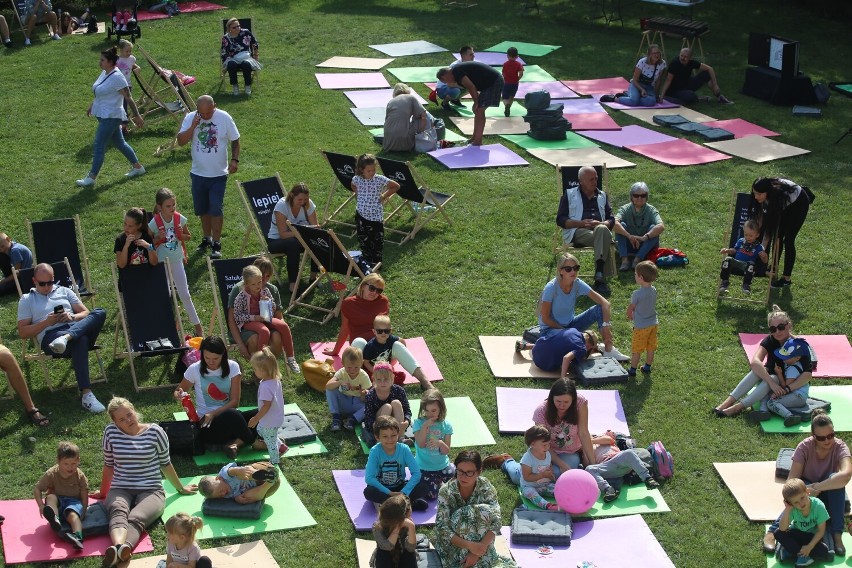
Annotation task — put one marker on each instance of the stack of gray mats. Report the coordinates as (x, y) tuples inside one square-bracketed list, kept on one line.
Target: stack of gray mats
[(545, 120), (682, 124), (600, 370)]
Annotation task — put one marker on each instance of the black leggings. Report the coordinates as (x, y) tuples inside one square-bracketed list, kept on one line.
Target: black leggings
[(792, 220), (793, 540), (292, 248), (228, 426), (384, 559), (234, 68)]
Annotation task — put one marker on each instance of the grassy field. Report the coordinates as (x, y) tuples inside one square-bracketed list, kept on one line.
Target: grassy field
[(482, 275)]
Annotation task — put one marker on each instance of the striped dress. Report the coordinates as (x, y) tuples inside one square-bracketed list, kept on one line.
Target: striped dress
[(136, 460)]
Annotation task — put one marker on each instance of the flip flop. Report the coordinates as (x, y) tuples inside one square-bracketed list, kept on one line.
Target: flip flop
[(42, 422)]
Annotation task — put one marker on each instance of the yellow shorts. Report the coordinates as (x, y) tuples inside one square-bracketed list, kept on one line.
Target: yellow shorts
[(644, 339)]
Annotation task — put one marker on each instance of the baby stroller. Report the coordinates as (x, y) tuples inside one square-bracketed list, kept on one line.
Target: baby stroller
[(122, 22)]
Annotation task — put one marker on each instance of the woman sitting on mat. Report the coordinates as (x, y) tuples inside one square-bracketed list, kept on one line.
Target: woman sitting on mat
[(357, 314), (762, 380), (823, 462), (239, 53), (299, 209), (404, 118), (780, 207), (645, 83), (637, 228), (217, 384), (135, 245), (468, 518), (134, 456)]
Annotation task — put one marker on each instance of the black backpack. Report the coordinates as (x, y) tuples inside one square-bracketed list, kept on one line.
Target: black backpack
[(92, 27)]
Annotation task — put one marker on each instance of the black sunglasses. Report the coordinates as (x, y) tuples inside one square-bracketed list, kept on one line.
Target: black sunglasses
[(640, 195), (568, 268), (374, 289), (45, 283), (779, 327), (378, 331), (829, 436)]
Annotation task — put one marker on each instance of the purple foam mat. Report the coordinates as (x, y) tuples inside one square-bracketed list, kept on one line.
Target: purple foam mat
[(490, 58), (351, 80), (619, 106), (578, 106), (375, 97), (515, 407), (556, 89), (468, 157), (628, 136), (593, 542), (351, 484)]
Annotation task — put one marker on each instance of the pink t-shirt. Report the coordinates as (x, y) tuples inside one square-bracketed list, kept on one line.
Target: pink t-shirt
[(564, 438), (816, 469)]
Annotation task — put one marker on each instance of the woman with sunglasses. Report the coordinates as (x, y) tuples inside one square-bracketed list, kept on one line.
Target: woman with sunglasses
[(637, 228), (761, 380), (357, 314), (823, 462), (468, 518), (239, 53), (780, 207)]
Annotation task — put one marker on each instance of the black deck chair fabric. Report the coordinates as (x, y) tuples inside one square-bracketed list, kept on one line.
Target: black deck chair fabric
[(60, 276), (325, 249), (56, 239), (261, 197), (148, 308), (569, 175), (343, 166), (409, 189)]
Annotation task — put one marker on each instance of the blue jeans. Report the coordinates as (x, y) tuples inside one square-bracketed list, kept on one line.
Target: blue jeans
[(635, 98), (342, 404), (626, 249), (513, 469), (83, 334), (109, 129), (448, 92)]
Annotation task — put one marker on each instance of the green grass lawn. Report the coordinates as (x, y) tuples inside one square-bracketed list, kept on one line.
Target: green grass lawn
[(482, 275)]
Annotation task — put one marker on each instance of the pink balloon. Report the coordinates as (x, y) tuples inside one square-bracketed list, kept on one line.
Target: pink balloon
[(576, 491)]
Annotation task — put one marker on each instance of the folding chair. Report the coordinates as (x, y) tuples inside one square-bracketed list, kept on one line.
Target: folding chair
[(260, 197), (423, 203), (343, 167), (56, 239), (63, 276), (224, 275), (245, 23), (20, 7), (325, 249), (147, 305)]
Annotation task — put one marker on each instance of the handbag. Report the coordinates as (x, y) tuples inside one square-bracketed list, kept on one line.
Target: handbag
[(317, 373), (426, 141), (184, 437)]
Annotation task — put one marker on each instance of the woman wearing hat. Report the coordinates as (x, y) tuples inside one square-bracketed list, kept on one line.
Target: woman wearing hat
[(637, 228)]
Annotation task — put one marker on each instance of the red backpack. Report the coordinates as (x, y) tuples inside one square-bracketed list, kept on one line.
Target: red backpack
[(161, 226)]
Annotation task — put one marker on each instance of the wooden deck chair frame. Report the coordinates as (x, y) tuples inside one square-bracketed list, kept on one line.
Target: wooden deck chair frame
[(245, 23), (44, 249), (416, 196), (738, 213), (123, 325), (64, 269), (18, 7), (220, 307), (343, 167), (338, 262)]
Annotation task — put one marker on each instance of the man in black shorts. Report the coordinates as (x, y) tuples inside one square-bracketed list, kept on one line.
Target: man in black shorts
[(680, 85), (483, 82)]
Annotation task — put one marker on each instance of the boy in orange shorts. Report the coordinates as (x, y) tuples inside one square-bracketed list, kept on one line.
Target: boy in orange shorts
[(643, 312)]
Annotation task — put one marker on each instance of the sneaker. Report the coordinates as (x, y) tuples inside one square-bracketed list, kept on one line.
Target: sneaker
[(793, 420), (8, 43), (781, 283), (758, 416), (651, 483), (608, 99), (804, 561), (205, 243), (110, 558), (292, 365), (74, 540), (27, 41), (56, 36), (135, 172), (92, 404), (216, 249), (724, 100), (86, 181), (282, 448), (124, 553), (747, 290), (248, 89), (445, 105), (602, 288), (610, 495), (336, 425), (507, 112), (235, 90), (419, 505), (723, 287), (625, 265), (616, 354), (349, 424), (704, 99), (50, 515), (59, 344), (599, 278), (631, 372), (457, 102), (646, 368)]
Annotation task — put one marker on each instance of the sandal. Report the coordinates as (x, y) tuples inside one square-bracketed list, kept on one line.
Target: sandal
[(42, 422), (521, 345), (230, 450)]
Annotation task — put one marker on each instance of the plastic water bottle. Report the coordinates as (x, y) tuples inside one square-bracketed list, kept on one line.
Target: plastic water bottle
[(186, 402)]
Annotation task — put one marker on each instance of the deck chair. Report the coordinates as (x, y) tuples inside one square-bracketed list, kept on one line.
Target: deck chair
[(54, 240), (423, 203), (245, 23), (259, 197), (147, 305), (20, 7), (325, 249), (64, 276), (343, 167), (224, 274)]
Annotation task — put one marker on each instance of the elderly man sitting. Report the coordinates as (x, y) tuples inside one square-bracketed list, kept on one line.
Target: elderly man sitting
[(585, 217), (61, 323), (638, 227)]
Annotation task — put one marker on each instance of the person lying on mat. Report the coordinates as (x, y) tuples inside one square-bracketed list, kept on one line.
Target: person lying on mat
[(135, 454), (244, 484), (580, 345), (12, 255), (823, 462), (680, 84), (246, 339), (9, 365), (135, 245), (357, 314), (299, 209), (637, 228), (645, 83), (404, 118), (239, 48)]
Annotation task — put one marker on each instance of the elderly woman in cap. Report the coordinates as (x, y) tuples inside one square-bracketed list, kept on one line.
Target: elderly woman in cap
[(637, 228), (404, 118)]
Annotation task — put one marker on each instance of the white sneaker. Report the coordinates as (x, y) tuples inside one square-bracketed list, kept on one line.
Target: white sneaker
[(616, 354), (56, 36), (27, 41), (248, 89), (59, 344), (293, 366), (135, 172), (86, 181), (235, 90), (92, 404)]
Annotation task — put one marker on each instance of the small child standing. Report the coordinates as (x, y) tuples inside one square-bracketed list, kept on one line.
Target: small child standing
[(797, 359), (67, 493), (385, 473), (746, 252), (384, 399), (126, 64), (612, 463), (170, 230), (380, 347), (802, 526), (432, 441), (395, 534), (372, 191), (513, 70), (537, 477), (643, 312), (270, 403), (346, 390), (181, 549)]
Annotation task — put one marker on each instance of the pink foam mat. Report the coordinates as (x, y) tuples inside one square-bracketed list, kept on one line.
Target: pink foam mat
[(490, 58), (604, 543), (678, 153), (487, 156), (185, 8), (740, 128), (598, 86), (417, 346), (579, 106), (370, 98), (515, 407), (28, 538), (556, 89), (591, 121), (629, 135), (619, 106), (351, 80), (833, 352), (362, 513)]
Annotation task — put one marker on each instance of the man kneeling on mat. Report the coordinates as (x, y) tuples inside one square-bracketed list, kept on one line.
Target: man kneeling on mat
[(244, 484)]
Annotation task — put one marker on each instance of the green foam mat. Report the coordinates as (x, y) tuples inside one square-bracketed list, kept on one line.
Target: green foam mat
[(534, 49), (468, 427), (249, 455), (493, 112), (845, 87), (283, 511), (535, 74), (634, 499), (449, 135), (840, 397), (772, 561), (364, 447), (572, 141), (415, 74)]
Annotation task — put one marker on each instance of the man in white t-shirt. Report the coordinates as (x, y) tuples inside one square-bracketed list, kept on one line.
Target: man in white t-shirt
[(210, 130)]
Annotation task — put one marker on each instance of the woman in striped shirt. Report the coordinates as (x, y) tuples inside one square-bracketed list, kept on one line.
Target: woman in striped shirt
[(134, 455)]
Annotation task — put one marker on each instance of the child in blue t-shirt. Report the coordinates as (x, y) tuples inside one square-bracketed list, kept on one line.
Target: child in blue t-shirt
[(802, 526), (244, 484), (537, 477), (386, 467), (432, 440), (796, 356), (746, 252)]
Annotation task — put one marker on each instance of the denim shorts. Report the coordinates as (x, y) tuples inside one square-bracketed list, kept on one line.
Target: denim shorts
[(509, 91), (70, 503), (208, 194)]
